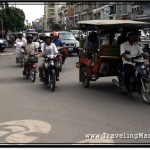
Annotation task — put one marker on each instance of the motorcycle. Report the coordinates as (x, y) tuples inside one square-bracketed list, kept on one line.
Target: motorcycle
[(59, 59), (140, 81), (64, 52), (49, 72), (31, 71), (20, 53)]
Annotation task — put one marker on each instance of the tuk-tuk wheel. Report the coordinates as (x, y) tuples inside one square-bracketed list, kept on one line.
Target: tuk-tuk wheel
[(84, 78)]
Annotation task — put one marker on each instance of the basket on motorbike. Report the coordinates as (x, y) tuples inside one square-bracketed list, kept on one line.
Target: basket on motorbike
[(33, 59)]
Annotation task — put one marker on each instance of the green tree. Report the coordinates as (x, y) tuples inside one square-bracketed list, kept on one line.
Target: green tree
[(13, 19), (54, 26)]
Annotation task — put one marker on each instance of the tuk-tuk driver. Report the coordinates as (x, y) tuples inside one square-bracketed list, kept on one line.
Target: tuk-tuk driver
[(92, 42), (134, 50)]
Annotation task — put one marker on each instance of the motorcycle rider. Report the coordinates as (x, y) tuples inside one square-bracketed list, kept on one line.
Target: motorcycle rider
[(58, 43), (19, 42), (47, 48), (29, 47), (134, 50)]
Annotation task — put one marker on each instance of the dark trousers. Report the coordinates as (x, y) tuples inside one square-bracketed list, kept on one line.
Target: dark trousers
[(41, 69), (129, 71)]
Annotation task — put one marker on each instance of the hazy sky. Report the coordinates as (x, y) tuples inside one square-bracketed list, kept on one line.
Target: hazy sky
[(32, 10)]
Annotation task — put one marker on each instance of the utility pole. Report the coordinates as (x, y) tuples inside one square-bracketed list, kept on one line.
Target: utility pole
[(2, 27)]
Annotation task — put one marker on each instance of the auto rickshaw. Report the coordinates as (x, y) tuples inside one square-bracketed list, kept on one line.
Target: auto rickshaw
[(106, 59)]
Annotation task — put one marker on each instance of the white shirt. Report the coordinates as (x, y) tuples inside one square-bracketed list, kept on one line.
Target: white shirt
[(51, 49), (21, 40), (30, 47), (135, 50), (105, 42)]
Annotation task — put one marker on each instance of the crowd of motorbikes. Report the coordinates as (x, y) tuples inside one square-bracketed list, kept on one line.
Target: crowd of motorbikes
[(140, 82), (52, 63)]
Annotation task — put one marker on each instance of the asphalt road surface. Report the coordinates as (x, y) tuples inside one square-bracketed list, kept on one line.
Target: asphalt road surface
[(31, 113)]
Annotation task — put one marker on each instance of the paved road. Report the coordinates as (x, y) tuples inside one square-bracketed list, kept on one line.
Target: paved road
[(31, 113)]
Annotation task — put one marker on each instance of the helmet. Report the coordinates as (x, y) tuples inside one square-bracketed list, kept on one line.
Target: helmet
[(132, 33), (29, 36), (47, 36), (93, 33), (20, 33), (56, 34)]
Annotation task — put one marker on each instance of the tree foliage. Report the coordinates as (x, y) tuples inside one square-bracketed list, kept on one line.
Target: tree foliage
[(13, 19), (54, 26)]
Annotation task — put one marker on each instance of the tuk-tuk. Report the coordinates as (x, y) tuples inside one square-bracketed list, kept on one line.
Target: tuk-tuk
[(106, 59)]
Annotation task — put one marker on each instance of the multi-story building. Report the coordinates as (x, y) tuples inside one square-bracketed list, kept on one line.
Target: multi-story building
[(144, 13), (63, 16), (51, 13), (104, 10)]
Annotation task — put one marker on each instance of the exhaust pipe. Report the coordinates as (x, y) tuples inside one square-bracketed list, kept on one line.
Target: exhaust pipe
[(116, 83)]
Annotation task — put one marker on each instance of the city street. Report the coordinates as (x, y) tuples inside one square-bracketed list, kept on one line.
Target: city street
[(31, 113)]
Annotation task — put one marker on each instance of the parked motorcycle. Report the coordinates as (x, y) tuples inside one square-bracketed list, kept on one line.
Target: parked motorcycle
[(50, 71), (31, 71), (140, 82)]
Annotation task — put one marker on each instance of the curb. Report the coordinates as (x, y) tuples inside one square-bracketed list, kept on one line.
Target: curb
[(8, 54)]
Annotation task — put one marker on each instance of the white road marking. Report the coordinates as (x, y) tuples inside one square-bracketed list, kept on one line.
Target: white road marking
[(95, 141), (22, 130)]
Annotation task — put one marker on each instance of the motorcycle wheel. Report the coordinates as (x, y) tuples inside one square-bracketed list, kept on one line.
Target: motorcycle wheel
[(52, 82), (27, 74), (84, 78), (146, 95), (60, 66), (33, 76), (21, 63)]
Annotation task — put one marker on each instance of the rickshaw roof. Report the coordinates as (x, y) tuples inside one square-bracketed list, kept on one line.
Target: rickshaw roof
[(119, 23)]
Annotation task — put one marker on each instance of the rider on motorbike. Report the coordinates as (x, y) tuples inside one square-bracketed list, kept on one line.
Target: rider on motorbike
[(58, 43), (129, 50), (29, 47), (47, 48), (19, 42)]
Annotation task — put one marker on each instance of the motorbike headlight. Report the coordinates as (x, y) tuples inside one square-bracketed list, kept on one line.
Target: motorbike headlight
[(77, 43), (46, 65), (52, 63)]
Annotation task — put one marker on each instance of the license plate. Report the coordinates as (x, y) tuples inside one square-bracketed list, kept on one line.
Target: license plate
[(70, 49)]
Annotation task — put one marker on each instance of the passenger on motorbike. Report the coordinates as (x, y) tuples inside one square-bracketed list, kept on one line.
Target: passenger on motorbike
[(129, 50), (47, 48), (19, 42), (58, 43), (29, 47)]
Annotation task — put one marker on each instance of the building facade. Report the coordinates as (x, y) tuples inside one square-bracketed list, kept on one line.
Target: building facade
[(81, 11), (51, 13)]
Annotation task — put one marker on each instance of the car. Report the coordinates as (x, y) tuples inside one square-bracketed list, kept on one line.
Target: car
[(69, 41), (3, 44), (78, 34), (143, 35)]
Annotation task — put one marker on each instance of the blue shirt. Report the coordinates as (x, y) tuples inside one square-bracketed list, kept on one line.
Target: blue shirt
[(57, 42)]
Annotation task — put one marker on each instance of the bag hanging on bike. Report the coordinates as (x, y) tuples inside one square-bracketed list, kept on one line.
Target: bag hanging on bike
[(33, 59)]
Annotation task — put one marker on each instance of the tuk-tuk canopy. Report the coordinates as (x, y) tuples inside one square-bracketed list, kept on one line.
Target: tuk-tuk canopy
[(113, 23)]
